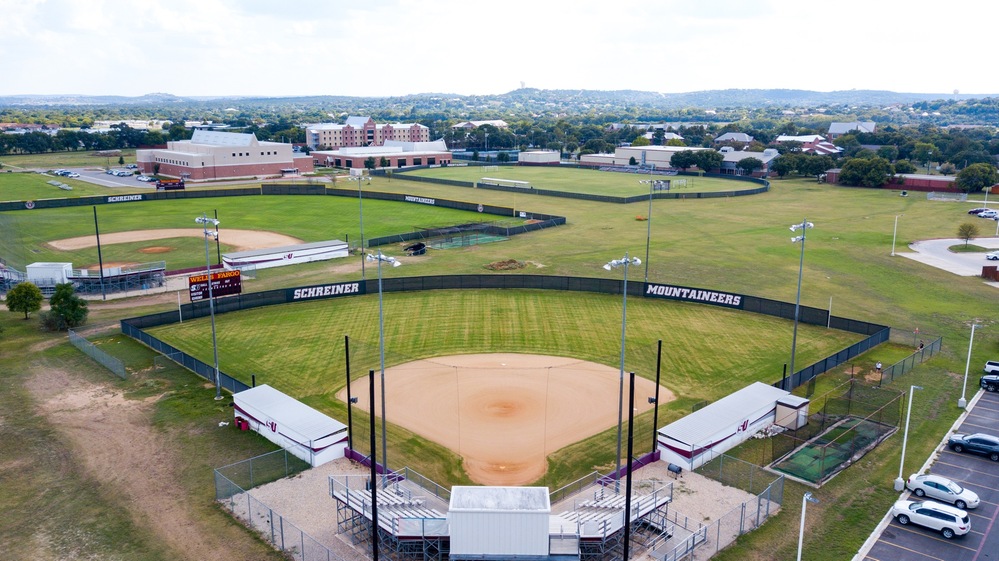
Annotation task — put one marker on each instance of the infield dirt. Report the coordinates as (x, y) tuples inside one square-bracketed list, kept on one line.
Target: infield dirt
[(504, 413)]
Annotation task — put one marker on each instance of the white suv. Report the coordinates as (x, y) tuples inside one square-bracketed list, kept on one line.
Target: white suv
[(992, 367), (947, 520)]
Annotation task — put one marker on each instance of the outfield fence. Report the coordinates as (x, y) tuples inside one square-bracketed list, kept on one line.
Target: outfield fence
[(133, 327), (104, 359)]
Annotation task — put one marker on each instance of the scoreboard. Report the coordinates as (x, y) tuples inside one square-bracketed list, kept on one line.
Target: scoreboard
[(224, 283)]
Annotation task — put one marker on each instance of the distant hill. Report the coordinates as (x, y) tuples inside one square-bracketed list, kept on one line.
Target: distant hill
[(531, 97)]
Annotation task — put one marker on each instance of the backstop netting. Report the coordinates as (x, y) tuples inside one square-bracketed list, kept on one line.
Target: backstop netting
[(844, 424)]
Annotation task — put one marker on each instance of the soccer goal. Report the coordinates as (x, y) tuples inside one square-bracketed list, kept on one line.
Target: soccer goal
[(505, 182), (490, 168)]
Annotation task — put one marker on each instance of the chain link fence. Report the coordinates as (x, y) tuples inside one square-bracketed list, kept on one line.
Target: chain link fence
[(231, 490), (104, 359), (748, 516)]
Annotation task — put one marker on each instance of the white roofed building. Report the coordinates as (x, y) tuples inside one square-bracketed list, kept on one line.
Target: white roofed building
[(392, 154), (362, 131), (839, 129), (498, 123), (212, 155)]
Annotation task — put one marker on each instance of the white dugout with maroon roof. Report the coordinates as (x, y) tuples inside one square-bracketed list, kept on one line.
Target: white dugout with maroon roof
[(305, 432), (705, 433)]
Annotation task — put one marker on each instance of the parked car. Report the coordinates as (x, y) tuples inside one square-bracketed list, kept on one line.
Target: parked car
[(989, 382), (992, 367), (72, 174), (992, 256), (145, 178), (978, 210), (978, 443), (942, 489), (947, 520), (131, 166), (988, 214)]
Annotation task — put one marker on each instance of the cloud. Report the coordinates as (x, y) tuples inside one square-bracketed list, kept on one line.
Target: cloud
[(397, 47)]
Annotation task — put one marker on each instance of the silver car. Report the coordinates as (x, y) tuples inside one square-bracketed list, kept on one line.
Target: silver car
[(942, 489)]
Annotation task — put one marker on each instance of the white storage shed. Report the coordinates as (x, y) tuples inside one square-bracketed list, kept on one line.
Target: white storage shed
[(308, 434), (286, 255), (499, 522), (705, 433), (49, 274), (792, 412)]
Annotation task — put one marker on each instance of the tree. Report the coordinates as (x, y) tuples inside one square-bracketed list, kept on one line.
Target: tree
[(708, 160), (873, 172), (67, 309), (905, 166), (889, 153), (784, 164), (121, 160), (632, 161), (976, 177), (683, 159), (947, 168), (923, 152), (749, 165), (503, 157), (25, 297), (369, 162), (641, 141), (156, 168), (967, 232), (815, 166), (384, 162)]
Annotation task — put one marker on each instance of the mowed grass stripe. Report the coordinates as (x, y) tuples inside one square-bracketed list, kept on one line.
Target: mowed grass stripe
[(298, 348)]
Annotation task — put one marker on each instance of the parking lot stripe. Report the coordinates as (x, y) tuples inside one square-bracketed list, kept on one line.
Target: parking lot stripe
[(988, 530), (922, 532), (920, 553)]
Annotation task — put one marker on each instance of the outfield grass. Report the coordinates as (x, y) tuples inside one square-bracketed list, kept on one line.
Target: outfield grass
[(310, 219), (582, 180), (739, 244), (297, 348)]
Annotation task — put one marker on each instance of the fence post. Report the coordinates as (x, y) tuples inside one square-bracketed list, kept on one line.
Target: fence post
[(742, 519), (271, 518)]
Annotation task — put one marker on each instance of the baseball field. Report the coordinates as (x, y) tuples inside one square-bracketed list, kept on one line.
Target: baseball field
[(739, 244)]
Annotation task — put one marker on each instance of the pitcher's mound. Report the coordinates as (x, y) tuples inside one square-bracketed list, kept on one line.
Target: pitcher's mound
[(504, 413)]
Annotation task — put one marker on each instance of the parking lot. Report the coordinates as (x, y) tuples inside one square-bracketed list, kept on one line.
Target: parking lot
[(913, 543)]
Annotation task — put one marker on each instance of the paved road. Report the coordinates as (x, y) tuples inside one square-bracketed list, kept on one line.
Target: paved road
[(936, 254)]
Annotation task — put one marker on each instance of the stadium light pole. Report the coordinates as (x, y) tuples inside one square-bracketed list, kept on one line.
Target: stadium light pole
[(894, 234), (625, 261), (648, 219), (805, 499), (205, 221), (900, 483), (804, 226), (962, 403), (381, 345), (360, 206)]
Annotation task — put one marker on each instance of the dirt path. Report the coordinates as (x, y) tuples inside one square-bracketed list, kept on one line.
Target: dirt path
[(239, 239), (113, 440)]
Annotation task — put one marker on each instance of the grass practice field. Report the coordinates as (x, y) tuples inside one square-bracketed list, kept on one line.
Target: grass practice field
[(581, 180), (738, 244)]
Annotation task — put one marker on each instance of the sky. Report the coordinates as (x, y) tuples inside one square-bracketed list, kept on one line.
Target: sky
[(397, 47)]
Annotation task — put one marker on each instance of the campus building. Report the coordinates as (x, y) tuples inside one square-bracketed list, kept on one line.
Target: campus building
[(658, 156), (362, 131), (393, 154), (222, 155)]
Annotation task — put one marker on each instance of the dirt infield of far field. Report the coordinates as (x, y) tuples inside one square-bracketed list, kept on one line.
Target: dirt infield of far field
[(504, 413), (240, 240)]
